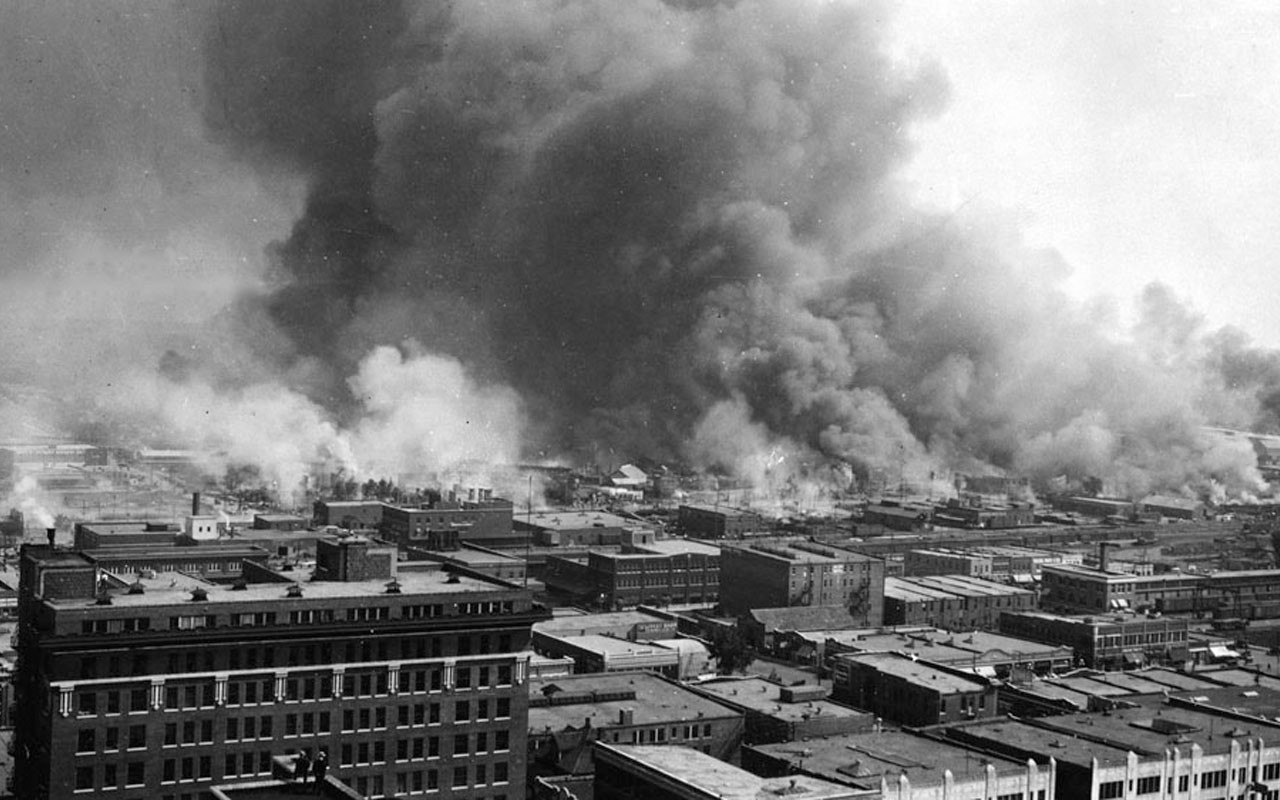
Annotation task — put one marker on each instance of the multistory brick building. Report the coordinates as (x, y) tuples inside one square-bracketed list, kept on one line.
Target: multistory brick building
[(661, 572), (951, 601), (907, 691), (411, 680), (718, 522), (1110, 641), (567, 714), (445, 524), (796, 573)]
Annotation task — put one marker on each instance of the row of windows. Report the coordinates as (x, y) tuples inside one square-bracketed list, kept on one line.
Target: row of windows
[(659, 581), (253, 691), (185, 622), (108, 776), (249, 728)]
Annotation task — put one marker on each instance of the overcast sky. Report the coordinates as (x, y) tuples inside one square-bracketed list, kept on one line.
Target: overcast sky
[(1138, 138)]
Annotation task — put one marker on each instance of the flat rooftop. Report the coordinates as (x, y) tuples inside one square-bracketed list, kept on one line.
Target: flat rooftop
[(574, 520), (571, 624), (172, 588), (946, 647), (656, 701), (613, 646), (1003, 735), (1177, 680), (677, 547), (727, 511), (763, 696), (865, 758), (467, 555), (1155, 726), (917, 672), (945, 587), (1255, 701), (788, 552), (1239, 677), (719, 779)]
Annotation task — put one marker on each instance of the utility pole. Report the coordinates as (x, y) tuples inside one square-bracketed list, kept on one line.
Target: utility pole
[(528, 540)]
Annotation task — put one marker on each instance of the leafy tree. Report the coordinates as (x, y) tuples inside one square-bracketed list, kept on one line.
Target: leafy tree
[(731, 650)]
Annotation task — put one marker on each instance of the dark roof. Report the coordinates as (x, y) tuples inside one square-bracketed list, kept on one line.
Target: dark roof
[(806, 618)]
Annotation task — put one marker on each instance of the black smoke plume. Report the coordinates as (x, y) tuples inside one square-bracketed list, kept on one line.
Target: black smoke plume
[(675, 230)]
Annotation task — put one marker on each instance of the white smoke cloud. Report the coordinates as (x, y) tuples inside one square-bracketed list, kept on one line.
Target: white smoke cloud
[(421, 414)]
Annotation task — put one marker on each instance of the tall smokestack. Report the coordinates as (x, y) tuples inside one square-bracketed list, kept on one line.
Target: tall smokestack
[(195, 504), (1102, 555), (51, 533)]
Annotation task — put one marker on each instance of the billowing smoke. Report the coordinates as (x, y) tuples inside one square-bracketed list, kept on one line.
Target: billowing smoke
[(674, 230), (420, 415), (613, 229)]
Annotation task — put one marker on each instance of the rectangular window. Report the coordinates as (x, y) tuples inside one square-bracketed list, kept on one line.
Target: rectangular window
[(1213, 780), (1149, 785), (1111, 790)]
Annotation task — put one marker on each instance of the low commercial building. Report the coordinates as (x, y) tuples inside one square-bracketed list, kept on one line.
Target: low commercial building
[(1099, 507), (353, 515), (568, 714), (1005, 564), (592, 654), (980, 652), (1086, 590), (773, 630), (576, 528), (639, 772), (637, 626), (1110, 641), (898, 764), (477, 559), (911, 692), (115, 533), (951, 601), (1180, 508), (898, 517), (776, 713), (784, 573), (718, 522), (278, 522), (940, 561), (958, 514), (1146, 748)]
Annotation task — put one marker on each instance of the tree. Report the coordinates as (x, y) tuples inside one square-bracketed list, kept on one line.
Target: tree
[(731, 650)]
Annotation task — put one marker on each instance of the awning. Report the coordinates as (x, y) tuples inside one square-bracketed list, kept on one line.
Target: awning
[(984, 671), (1222, 651), (1135, 658), (1023, 577)]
